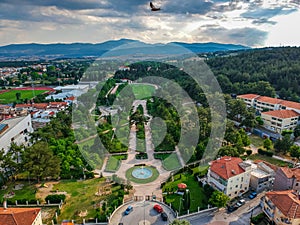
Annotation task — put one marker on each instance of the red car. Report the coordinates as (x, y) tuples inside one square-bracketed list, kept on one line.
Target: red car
[(158, 208)]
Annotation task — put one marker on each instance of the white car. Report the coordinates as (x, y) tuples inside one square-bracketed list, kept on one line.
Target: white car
[(240, 202)]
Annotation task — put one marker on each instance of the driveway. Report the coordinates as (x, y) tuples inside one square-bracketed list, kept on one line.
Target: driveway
[(141, 211)]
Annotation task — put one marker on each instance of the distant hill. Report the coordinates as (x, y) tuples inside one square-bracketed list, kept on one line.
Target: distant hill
[(78, 50)]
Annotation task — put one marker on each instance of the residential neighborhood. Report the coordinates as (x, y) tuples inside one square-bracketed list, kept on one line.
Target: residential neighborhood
[(108, 143)]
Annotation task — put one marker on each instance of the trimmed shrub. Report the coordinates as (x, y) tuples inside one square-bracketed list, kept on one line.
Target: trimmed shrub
[(55, 198)]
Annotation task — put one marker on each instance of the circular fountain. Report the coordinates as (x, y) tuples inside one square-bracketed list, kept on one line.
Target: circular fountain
[(142, 173)]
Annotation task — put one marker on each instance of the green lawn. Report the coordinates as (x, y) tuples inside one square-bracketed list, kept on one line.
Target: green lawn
[(113, 164), (82, 196), (26, 193), (140, 145), (142, 91), (170, 161), (198, 196), (269, 159), (256, 140), (10, 96)]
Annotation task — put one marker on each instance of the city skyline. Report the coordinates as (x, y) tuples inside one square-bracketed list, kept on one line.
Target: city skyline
[(252, 23)]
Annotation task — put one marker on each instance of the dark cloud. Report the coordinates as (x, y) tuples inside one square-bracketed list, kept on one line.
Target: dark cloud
[(261, 13), (245, 36), (191, 7), (62, 4)]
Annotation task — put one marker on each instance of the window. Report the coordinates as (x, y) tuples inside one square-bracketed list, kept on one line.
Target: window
[(235, 192), (242, 179), (297, 184), (236, 186)]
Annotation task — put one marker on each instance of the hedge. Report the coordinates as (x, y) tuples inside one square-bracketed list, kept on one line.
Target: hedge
[(55, 198), (264, 152)]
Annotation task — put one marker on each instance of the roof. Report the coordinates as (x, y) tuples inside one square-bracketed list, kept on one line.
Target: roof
[(227, 167), (18, 216), (283, 114), (286, 201), (273, 167), (11, 123), (269, 100), (289, 173), (248, 96), (290, 104)]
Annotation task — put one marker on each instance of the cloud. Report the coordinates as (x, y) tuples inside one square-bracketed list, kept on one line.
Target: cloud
[(231, 21)]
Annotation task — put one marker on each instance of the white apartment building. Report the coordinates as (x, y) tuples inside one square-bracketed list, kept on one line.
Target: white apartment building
[(229, 175), (279, 120), (15, 130)]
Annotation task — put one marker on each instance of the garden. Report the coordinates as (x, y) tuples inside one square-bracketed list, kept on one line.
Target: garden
[(170, 161), (198, 196)]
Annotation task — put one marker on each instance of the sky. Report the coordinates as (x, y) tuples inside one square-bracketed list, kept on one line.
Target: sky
[(254, 23)]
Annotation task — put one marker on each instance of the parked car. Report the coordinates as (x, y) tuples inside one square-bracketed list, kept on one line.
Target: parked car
[(128, 210), (164, 216), (240, 202), (253, 195), (158, 208), (231, 208)]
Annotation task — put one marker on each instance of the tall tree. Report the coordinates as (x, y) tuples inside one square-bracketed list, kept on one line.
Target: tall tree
[(186, 199), (218, 199), (40, 162)]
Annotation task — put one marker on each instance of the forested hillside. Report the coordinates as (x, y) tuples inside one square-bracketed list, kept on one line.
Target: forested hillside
[(267, 71)]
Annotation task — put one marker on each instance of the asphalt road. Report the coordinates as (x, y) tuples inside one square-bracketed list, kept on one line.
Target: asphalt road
[(141, 211)]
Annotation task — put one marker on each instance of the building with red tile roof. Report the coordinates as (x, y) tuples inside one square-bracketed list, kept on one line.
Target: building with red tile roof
[(287, 179), (290, 105), (282, 207), (248, 98), (279, 120), (20, 216), (230, 175)]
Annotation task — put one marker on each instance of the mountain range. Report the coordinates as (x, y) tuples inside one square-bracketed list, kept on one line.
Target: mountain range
[(126, 46)]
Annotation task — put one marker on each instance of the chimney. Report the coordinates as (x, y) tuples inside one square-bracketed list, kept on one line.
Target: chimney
[(4, 204)]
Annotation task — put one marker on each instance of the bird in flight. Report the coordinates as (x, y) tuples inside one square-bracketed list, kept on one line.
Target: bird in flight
[(153, 8)]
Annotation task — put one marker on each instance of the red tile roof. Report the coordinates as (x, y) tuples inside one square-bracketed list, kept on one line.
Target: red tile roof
[(289, 104), (248, 96), (227, 167), (283, 114), (18, 216), (269, 100), (40, 105), (286, 201), (72, 98), (22, 105)]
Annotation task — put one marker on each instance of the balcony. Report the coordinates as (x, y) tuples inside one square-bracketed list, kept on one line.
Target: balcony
[(268, 213)]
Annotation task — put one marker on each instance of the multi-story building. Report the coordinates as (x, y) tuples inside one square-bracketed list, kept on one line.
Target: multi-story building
[(248, 99), (282, 207), (15, 130), (264, 103), (277, 114), (229, 175), (20, 216), (287, 179), (280, 120), (262, 177)]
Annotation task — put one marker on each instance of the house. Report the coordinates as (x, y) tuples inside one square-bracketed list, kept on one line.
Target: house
[(282, 207), (287, 179), (229, 175), (280, 120), (15, 130), (262, 177), (20, 216)]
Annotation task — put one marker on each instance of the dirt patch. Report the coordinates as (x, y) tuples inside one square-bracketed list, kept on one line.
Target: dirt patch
[(44, 191)]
